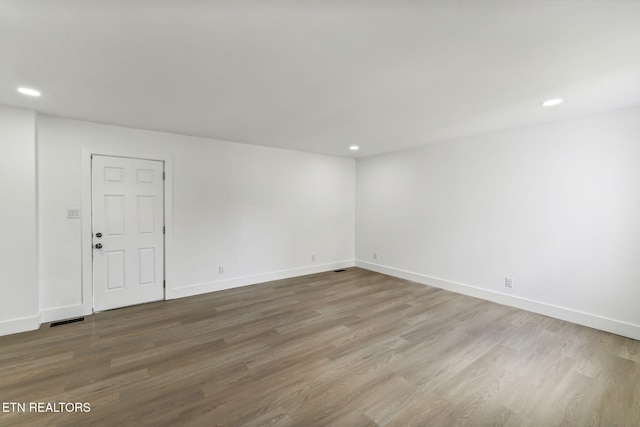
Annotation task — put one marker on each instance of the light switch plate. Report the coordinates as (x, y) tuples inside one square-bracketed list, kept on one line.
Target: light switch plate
[(73, 213)]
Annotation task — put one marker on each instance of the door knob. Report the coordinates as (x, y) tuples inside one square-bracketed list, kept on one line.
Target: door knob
[(98, 235), (98, 245)]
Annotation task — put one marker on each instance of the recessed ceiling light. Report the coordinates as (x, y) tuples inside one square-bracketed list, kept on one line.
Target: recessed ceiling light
[(552, 102), (29, 91), (354, 148)]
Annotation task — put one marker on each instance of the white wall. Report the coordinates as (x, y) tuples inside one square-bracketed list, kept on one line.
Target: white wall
[(259, 212), (555, 206), (18, 231)]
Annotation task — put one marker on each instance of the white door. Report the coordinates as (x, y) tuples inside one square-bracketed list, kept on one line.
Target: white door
[(128, 231)]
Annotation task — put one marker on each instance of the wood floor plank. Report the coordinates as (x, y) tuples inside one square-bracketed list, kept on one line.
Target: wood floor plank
[(355, 348)]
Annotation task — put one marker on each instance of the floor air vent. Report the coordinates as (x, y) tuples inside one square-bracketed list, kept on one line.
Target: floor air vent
[(339, 271), (64, 322)]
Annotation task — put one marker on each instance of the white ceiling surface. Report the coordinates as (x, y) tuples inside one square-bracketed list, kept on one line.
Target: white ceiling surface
[(321, 75)]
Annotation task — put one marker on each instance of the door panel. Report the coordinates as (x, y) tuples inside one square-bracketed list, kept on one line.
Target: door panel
[(146, 257), (146, 211), (127, 220), (115, 269), (114, 214)]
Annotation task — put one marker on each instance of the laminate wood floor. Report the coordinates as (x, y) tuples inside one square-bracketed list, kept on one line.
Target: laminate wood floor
[(355, 348)]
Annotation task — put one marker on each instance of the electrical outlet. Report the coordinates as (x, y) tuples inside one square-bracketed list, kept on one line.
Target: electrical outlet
[(375, 255), (313, 258), (221, 270), (508, 282)]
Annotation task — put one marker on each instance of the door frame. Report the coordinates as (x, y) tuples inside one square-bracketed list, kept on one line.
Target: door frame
[(86, 218)]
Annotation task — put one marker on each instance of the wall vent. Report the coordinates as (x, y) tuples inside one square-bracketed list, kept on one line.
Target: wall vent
[(64, 322)]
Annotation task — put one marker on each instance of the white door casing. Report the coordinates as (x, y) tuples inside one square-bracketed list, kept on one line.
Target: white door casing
[(127, 227)]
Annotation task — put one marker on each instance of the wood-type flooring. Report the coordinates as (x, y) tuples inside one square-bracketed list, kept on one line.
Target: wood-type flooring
[(355, 348)]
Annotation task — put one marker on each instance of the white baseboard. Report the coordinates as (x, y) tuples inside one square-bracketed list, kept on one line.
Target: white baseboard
[(581, 318), (203, 288), (23, 324), (32, 323), (62, 313)]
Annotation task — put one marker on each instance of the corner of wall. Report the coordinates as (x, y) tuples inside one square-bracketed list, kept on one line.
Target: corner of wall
[(24, 324), (19, 225)]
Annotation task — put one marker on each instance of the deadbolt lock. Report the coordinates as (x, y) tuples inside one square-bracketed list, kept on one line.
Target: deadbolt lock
[(98, 235)]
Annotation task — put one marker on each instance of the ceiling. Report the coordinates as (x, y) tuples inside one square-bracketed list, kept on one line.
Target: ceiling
[(321, 75)]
